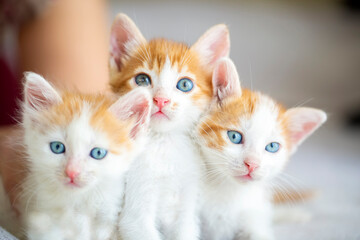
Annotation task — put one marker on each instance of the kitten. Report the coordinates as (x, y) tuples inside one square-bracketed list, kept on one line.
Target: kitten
[(78, 148), (162, 183), (245, 139)]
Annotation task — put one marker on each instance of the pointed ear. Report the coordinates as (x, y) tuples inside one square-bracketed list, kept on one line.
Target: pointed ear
[(125, 37), (38, 93), (225, 80), (137, 105), (213, 44), (302, 122)]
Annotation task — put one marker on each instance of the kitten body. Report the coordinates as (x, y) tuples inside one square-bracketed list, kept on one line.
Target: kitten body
[(230, 211), (78, 148), (245, 139), (162, 183), (161, 191)]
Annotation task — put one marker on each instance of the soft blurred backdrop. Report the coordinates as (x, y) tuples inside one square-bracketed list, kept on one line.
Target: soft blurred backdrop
[(302, 53)]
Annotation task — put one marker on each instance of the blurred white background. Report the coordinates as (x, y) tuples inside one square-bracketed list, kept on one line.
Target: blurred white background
[(300, 53)]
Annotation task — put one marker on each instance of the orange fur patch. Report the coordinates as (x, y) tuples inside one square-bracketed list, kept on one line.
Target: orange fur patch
[(292, 196), (153, 55), (101, 119), (228, 113)]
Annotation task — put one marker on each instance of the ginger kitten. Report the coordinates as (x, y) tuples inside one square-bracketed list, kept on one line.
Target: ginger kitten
[(162, 183), (246, 138), (78, 148)]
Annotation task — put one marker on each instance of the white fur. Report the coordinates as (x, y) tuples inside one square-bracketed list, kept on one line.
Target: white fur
[(234, 211), (162, 184), (161, 191)]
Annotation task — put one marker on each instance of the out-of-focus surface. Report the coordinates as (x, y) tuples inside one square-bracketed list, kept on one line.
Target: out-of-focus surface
[(301, 54)]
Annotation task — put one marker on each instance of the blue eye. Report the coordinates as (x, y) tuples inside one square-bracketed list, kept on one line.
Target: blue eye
[(272, 147), (57, 147), (185, 85), (98, 153), (142, 80), (235, 137)]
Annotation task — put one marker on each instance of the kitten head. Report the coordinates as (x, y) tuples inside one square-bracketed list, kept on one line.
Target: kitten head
[(178, 77), (77, 141), (247, 135)]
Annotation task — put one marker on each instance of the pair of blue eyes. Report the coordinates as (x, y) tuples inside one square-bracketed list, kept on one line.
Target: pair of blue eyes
[(237, 138), (184, 84), (96, 153)]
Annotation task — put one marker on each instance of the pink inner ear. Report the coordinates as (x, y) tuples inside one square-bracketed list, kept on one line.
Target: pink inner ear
[(35, 97), (225, 79), (221, 76), (115, 51), (119, 37), (220, 48), (141, 110), (123, 32), (306, 129), (214, 44), (309, 126)]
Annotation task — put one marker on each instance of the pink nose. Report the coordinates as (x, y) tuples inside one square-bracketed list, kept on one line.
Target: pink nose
[(251, 166), (161, 102), (71, 173)]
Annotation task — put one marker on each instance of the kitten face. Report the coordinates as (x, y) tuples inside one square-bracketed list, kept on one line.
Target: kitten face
[(75, 142), (177, 77), (246, 135), (79, 135), (163, 71), (259, 121)]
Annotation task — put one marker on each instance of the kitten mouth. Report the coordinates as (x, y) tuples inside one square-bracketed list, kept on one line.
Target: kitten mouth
[(246, 177), (159, 114), (73, 184)]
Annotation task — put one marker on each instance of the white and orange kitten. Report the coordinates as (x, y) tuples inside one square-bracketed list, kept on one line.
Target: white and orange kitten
[(162, 183), (245, 141), (78, 148)]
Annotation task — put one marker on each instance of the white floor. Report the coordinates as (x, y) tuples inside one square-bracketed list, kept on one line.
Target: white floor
[(300, 55), (329, 162)]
